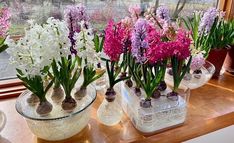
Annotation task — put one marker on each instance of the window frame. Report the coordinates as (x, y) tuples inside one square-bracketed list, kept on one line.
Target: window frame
[(228, 7), (14, 87), (11, 87)]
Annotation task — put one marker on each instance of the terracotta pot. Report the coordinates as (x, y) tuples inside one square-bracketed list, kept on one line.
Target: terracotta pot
[(217, 57), (229, 61)]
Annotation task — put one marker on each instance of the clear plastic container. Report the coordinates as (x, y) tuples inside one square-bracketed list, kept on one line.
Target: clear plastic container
[(163, 114), (59, 124)]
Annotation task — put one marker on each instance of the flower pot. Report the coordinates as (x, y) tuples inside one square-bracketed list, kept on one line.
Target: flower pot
[(163, 114), (217, 57), (229, 61), (193, 80), (59, 124)]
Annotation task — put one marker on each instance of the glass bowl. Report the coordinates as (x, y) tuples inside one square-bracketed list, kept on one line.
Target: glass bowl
[(2, 120), (192, 80), (59, 124)]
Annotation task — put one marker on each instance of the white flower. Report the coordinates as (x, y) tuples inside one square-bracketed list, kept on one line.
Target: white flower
[(40, 45), (85, 45)]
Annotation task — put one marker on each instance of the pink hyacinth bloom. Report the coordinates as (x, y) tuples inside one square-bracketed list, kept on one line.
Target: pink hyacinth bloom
[(135, 11), (114, 35), (197, 62), (4, 21)]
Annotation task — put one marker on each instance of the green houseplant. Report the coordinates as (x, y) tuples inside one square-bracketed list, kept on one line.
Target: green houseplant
[(212, 35)]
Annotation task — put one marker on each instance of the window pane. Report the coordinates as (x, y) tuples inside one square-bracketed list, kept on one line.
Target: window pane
[(99, 10)]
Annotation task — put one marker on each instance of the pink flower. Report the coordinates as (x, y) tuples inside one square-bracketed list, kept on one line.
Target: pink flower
[(114, 35), (4, 21), (135, 11), (197, 61), (160, 50), (157, 52), (182, 45)]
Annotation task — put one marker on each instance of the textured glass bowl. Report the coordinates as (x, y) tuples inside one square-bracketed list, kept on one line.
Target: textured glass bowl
[(193, 82), (59, 124)]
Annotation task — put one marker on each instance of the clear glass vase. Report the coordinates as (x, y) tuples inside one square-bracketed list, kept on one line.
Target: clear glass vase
[(163, 113), (58, 124), (110, 112), (193, 80)]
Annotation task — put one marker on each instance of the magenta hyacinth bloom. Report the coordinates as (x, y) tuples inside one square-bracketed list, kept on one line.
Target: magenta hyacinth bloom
[(114, 35), (73, 16), (182, 45), (4, 21), (139, 40), (163, 50)]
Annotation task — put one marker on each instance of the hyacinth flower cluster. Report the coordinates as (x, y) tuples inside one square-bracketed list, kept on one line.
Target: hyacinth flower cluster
[(155, 56), (73, 15), (113, 48), (4, 27), (208, 20), (83, 41), (148, 52), (203, 26), (33, 54)]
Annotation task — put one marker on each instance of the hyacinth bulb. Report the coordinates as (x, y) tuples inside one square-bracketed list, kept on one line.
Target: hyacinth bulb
[(44, 108), (79, 94), (57, 94), (33, 100)]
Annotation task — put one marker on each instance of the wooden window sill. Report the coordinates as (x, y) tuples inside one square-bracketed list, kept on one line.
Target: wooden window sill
[(210, 108)]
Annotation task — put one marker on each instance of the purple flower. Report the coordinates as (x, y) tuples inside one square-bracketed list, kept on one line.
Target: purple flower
[(73, 16), (162, 12), (139, 40), (207, 20)]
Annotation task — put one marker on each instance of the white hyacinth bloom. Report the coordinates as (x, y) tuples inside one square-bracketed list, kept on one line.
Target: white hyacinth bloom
[(40, 45), (85, 45)]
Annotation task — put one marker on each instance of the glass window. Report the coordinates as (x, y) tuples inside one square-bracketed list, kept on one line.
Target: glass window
[(99, 10)]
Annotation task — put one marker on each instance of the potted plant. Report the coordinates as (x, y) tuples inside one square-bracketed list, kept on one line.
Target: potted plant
[(160, 62), (229, 61), (83, 45), (47, 51), (218, 34), (110, 112), (149, 50)]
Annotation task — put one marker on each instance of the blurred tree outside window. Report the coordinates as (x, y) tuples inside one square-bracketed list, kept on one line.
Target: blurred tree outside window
[(99, 10)]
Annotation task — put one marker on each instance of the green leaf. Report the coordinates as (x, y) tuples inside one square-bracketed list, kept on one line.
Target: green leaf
[(3, 48)]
